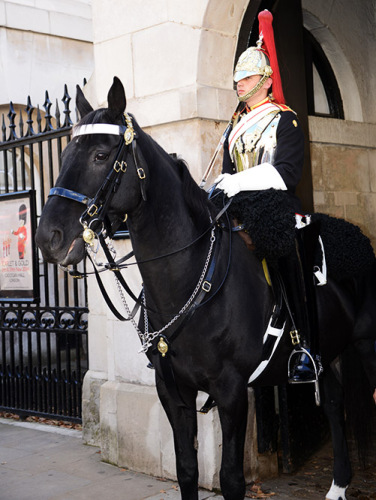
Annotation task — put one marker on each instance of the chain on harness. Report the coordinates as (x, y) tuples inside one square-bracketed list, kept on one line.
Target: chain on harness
[(147, 337)]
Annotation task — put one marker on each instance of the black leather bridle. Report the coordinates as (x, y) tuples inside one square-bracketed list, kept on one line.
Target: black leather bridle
[(95, 216)]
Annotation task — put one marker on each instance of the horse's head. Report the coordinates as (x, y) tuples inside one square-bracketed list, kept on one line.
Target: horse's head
[(93, 165)]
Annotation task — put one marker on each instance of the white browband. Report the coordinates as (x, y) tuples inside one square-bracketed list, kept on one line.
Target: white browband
[(98, 128)]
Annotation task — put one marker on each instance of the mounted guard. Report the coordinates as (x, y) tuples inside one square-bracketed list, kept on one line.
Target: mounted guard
[(212, 344), (264, 152)]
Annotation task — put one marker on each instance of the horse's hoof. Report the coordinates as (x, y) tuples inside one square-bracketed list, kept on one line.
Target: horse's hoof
[(336, 492)]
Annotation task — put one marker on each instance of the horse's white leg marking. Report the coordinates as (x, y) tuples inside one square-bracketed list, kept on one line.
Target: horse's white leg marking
[(336, 493)]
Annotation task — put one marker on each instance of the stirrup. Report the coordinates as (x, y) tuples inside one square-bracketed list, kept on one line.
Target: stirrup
[(317, 367)]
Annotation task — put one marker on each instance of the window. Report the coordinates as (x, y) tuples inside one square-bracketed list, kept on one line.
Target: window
[(323, 94)]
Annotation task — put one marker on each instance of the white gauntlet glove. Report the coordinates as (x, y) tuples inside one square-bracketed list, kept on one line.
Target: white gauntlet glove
[(258, 178), (228, 183)]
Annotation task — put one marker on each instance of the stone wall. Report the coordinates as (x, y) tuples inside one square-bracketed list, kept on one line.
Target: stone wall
[(175, 59), (343, 155), (44, 45)]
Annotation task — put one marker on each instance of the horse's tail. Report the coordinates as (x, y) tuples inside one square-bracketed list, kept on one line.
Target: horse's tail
[(359, 406)]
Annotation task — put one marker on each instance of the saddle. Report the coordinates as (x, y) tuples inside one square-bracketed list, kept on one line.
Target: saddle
[(266, 220)]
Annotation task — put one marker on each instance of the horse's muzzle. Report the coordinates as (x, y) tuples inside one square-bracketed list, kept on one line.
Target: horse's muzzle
[(54, 248)]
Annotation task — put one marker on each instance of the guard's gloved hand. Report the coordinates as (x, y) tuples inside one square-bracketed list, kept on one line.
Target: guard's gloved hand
[(257, 178), (228, 184)]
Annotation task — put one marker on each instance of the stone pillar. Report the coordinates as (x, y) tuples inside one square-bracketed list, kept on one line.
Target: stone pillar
[(175, 59), (44, 45)]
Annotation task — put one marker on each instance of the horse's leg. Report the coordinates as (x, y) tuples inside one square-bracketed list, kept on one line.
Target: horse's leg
[(333, 406), (232, 408), (366, 349), (183, 421), (364, 336)]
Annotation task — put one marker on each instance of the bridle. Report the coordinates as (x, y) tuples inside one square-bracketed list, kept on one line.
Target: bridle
[(95, 216)]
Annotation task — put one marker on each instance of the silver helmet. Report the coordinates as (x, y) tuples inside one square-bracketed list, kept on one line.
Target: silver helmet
[(253, 61)]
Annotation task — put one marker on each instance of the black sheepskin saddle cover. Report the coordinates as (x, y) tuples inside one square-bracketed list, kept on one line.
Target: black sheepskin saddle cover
[(269, 218)]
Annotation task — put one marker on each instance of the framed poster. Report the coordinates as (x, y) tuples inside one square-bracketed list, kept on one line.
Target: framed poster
[(18, 273)]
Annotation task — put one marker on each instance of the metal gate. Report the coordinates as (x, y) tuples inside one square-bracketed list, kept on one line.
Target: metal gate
[(43, 331)]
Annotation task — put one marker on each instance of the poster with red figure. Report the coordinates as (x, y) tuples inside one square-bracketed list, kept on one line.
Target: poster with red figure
[(17, 244)]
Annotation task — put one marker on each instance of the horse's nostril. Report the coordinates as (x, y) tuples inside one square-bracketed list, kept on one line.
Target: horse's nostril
[(56, 239)]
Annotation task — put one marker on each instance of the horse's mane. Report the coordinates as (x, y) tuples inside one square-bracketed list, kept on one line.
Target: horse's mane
[(195, 197), (101, 115)]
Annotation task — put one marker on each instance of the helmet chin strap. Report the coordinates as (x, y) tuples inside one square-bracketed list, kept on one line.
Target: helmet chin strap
[(255, 89)]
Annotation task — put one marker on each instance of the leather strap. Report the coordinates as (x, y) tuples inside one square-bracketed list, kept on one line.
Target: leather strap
[(68, 193), (106, 297), (119, 276)]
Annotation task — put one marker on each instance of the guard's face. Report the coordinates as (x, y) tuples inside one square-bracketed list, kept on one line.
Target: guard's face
[(249, 83)]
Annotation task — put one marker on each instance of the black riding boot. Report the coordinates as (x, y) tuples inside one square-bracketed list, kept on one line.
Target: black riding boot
[(297, 276)]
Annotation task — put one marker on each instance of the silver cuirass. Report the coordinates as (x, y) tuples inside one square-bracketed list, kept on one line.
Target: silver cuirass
[(258, 143)]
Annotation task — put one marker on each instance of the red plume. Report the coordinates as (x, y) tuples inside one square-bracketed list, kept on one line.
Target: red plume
[(266, 28)]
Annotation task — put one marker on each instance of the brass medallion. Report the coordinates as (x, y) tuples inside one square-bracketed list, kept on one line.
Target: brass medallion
[(88, 236), (162, 347), (129, 131)]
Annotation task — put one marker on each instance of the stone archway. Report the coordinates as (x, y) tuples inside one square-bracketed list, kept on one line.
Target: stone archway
[(218, 43), (340, 64)]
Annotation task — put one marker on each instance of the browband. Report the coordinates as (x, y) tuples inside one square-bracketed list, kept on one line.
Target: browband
[(98, 128)]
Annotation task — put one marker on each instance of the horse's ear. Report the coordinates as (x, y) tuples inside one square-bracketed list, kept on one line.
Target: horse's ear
[(82, 103), (116, 97)]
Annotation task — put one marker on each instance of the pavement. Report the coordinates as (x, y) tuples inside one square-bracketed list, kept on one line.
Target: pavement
[(44, 462)]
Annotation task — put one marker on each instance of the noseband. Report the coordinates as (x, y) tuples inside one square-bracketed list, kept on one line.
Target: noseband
[(95, 216)]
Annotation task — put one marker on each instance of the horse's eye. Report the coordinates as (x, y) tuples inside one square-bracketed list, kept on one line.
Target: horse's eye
[(101, 157)]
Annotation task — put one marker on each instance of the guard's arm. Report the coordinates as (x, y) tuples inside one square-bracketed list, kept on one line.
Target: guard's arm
[(286, 171), (260, 177)]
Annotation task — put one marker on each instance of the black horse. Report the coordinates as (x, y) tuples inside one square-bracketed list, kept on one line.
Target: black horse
[(207, 299)]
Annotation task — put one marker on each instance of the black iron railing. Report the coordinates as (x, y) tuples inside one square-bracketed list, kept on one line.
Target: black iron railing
[(43, 360), (43, 343)]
